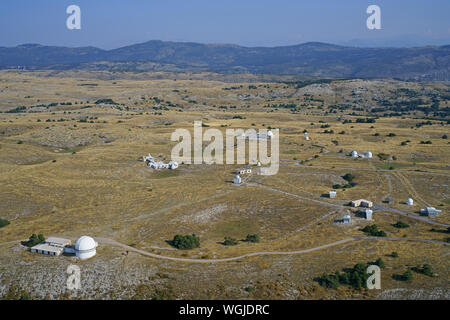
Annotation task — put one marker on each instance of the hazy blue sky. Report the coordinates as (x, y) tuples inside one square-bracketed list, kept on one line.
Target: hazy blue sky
[(114, 23)]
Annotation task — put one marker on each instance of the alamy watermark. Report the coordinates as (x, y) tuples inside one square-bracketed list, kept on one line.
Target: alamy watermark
[(374, 280), (74, 279), (374, 20), (74, 20), (190, 149)]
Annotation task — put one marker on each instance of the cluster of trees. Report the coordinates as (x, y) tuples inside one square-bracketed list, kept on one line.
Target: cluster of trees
[(349, 178), (252, 238), (17, 110), (407, 276), (233, 88), (374, 231), (394, 254), (229, 241), (35, 239), (105, 101), (366, 120), (404, 143), (3, 223), (282, 105), (401, 225), (355, 277), (186, 242), (425, 269)]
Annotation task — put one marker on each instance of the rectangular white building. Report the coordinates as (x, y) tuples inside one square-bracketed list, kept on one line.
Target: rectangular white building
[(53, 246)]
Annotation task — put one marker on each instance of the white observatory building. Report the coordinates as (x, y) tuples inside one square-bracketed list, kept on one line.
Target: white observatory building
[(85, 247)]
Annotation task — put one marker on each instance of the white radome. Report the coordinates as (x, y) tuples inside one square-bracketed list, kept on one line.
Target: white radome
[(85, 247)]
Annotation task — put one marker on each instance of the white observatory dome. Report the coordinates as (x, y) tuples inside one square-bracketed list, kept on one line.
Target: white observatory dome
[(85, 247)]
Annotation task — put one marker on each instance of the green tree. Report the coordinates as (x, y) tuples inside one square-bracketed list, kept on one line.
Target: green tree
[(408, 275), (349, 177), (401, 225), (426, 270), (379, 262), (252, 238), (3, 223), (230, 241), (33, 240), (186, 241)]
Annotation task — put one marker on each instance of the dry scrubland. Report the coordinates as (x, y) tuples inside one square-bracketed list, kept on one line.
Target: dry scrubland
[(64, 177)]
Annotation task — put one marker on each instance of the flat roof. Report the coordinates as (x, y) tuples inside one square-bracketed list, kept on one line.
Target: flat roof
[(47, 247), (59, 241)]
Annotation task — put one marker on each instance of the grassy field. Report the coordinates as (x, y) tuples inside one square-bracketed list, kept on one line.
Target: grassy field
[(73, 169)]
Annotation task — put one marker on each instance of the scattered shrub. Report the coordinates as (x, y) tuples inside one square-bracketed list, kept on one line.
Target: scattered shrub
[(230, 241), (373, 231), (252, 238), (186, 241), (3, 222)]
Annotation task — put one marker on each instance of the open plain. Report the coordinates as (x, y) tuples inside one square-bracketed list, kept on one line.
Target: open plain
[(71, 145)]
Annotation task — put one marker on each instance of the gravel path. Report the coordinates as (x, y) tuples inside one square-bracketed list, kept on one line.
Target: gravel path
[(260, 253)]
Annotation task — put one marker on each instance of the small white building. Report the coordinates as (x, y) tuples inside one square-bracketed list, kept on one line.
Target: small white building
[(53, 246), (362, 203), (243, 171), (84, 248), (347, 219), (367, 155), (332, 194), (368, 214), (154, 164), (430, 211), (306, 136), (364, 155), (173, 165), (148, 158), (410, 202), (237, 179)]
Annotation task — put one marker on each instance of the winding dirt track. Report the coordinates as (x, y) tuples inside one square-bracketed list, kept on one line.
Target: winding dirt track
[(112, 242), (259, 253)]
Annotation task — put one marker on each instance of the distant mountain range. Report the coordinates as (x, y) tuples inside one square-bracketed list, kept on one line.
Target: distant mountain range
[(312, 58)]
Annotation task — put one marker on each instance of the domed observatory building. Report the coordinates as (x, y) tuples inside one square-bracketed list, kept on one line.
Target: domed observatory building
[(85, 247)]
